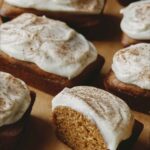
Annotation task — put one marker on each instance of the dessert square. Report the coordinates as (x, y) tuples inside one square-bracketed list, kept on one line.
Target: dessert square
[(47, 54), (16, 103)]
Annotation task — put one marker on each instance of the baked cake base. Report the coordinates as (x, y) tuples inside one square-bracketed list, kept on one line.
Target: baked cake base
[(11, 134), (77, 131), (137, 98), (47, 82)]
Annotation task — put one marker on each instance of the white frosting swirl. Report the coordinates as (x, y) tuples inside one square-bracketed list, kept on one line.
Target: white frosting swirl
[(136, 20), (132, 65), (50, 44), (102, 108), (14, 99), (76, 6)]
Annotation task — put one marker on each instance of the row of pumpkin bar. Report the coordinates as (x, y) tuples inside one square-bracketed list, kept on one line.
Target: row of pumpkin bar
[(86, 16), (53, 57)]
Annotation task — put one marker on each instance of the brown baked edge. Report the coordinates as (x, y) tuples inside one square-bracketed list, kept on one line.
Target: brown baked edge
[(47, 82), (127, 41), (136, 97), (76, 20), (11, 134)]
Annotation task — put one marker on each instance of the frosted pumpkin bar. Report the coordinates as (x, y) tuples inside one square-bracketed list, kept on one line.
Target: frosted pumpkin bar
[(46, 53), (80, 13), (16, 102), (91, 118)]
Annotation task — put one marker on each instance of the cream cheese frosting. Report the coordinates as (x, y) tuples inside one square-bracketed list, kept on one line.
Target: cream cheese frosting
[(76, 6), (131, 65), (14, 99), (102, 108), (51, 45), (136, 20)]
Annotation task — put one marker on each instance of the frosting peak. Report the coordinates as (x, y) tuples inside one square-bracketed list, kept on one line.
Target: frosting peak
[(76, 6), (14, 99), (102, 108), (132, 65), (136, 20), (50, 44)]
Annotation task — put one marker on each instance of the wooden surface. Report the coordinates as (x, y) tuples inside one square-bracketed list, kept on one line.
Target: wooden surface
[(40, 132)]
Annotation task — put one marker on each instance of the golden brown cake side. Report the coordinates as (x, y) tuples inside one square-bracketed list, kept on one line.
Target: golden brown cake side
[(126, 40), (11, 134), (77, 20), (45, 81), (71, 125), (136, 97)]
